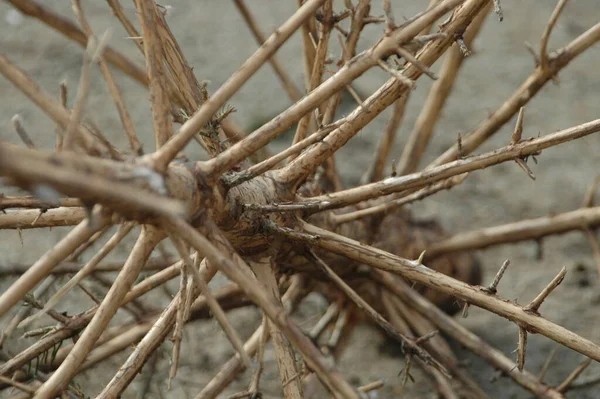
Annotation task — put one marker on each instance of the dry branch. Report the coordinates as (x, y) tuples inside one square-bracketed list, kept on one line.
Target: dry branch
[(53, 109), (144, 246), (218, 99), (516, 232), (287, 83), (33, 218), (432, 175), (335, 83), (423, 275), (525, 92), (43, 267), (433, 106), (163, 129), (466, 337)]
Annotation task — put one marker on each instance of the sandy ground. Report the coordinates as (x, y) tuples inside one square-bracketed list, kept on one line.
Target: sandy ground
[(216, 41)]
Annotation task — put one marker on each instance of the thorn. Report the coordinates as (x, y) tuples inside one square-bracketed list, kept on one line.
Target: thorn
[(537, 302), (420, 259), (517, 133), (426, 337), (465, 310), (522, 348), (589, 198), (407, 55), (525, 167), (37, 217), (492, 288), (399, 76)]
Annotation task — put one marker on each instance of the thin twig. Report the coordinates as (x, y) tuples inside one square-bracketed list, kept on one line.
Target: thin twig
[(425, 276), (566, 384), (529, 229), (113, 89), (218, 99), (548, 31), (287, 83), (144, 246), (471, 341), (538, 300)]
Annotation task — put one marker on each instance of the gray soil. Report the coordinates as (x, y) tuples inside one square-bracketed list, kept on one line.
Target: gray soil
[(216, 41)]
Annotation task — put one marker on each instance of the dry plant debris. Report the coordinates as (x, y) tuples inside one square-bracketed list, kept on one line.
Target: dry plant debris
[(277, 226)]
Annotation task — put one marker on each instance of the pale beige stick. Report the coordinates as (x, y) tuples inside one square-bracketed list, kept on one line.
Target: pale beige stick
[(237, 271), (25, 311), (163, 128), (566, 384), (16, 384), (441, 381), (79, 323), (318, 66), (113, 89), (432, 175), (151, 341), (297, 171), (91, 54), (518, 231), (25, 218), (375, 173), (218, 99), (357, 23), (395, 204), (29, 167), (593, 240), (118, 12), (57, 22), (215, 308), (525, 92), (85, 271), (544, 61), (466, 337), (231, 368), (286, 362), (53, 109), (414, 271), (29, 201), (234, 366), (71, 267), (436, 99), (144, 246), (43, 267), (308, 32), (409, 345), (268, 164), (180, 320), (279, 124), (287, 83)]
